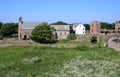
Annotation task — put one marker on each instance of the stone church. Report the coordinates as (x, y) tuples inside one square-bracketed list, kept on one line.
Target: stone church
[(25, 29)]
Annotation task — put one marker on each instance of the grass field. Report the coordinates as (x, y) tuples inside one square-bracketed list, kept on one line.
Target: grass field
[(42, 61)]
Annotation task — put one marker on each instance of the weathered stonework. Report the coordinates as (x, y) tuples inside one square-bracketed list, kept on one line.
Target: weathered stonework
[(25, 29), (62, 31), (95, 28), (113, 44), (117, 26)]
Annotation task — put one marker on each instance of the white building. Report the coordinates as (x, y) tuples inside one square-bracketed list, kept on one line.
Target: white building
[(79, 28)]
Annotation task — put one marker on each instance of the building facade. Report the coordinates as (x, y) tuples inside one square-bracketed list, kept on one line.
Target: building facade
[(79, 28), (62, 31), (25, 29)]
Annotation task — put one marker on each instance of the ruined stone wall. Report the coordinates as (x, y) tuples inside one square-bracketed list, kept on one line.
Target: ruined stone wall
[(82, 38), (95, 28), (117, 26), (114, 45)]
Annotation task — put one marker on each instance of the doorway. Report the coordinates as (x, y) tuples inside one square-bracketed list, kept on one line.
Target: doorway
[(25, 37)]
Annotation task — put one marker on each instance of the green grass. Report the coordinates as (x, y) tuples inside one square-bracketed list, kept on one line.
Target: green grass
[(42, 61)]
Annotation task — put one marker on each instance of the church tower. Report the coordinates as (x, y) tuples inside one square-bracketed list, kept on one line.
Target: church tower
[(19, 27)]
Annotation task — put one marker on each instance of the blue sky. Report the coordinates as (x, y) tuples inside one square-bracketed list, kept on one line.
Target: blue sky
[(69, 11)]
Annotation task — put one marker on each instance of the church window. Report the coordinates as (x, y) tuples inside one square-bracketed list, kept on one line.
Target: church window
[(60, 33), (65, 33)]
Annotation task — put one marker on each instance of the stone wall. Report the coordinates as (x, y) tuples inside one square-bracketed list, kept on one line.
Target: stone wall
[(26, 32), (82, 38), (114, 45), (62, 34)]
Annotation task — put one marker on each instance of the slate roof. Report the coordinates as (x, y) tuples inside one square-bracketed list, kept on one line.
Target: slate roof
[(32, 25), (76, 24), (29, 25), (61, 27)]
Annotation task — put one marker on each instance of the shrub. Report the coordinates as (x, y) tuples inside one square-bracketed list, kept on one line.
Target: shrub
[(8, 29), (101, 41), (94, 39), (43, 34), (1, 37), (71, 36)]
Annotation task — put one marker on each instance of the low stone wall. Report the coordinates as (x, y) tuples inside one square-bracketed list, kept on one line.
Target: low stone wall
[(112, 44), (82, 38)]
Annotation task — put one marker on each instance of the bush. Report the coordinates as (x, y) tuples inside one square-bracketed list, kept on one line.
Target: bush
[(1, 37), (8, 29), (94, 39), (71, 36), (43, 34), (101, 41)]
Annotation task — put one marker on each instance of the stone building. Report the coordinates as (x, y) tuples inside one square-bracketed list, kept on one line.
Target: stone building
[(62, 31), (95, 28), (25, 29)]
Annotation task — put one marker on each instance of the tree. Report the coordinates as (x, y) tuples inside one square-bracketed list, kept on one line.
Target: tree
[(71, 36), (1, 24), (71, 30), (1, 37), (16, 28), (43, 33), (59, 23), (87, 26), (8, 29), (105, 25)]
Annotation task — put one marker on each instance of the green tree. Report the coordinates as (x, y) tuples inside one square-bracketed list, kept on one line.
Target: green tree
[(71, 36), (8, 29), (1, 24), (71, 30), (105, 25), (1, 37), (59, 23), (43, 33), (16, 28), (87, 26)]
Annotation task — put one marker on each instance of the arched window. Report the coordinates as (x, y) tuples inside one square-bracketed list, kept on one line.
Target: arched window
[(60, 33)]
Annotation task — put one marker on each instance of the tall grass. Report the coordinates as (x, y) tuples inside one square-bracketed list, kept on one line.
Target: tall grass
[(42, 61)]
